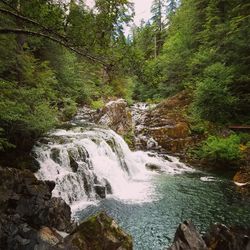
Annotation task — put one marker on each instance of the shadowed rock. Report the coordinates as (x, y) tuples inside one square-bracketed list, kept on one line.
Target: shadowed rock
[(187, 238)]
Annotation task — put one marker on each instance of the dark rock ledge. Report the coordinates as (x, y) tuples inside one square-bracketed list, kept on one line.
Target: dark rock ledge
[(31, 218), (219, 237)]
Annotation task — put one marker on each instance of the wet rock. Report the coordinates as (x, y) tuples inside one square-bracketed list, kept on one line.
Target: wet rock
[(100, 191), (73, 164), (108, 187), (117, 116), (242, 176), (242, 181), (165, 127), (187, 238), (98, 232), (220, 237), (153, 167), (55, 155)]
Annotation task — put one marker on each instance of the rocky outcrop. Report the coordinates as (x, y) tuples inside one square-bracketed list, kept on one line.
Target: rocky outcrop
[(219, 237), (26, 207), (98, 232), (187, 238), (117, 116), (30, 217), (165, 125)]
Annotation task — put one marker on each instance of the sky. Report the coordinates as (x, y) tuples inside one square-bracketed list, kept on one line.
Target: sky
[(142, 9)]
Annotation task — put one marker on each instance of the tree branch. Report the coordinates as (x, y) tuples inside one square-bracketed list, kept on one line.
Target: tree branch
[(63, 43), (31, 21)]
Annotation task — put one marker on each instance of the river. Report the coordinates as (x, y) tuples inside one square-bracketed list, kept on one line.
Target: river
[(148, 193)]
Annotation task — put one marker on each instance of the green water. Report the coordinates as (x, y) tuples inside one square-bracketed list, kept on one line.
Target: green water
[(180, 197)]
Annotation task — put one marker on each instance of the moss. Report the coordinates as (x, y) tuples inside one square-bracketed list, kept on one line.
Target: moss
[(100, 232)]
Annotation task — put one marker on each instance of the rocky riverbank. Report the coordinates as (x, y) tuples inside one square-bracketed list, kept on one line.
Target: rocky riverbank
[(32, 219)]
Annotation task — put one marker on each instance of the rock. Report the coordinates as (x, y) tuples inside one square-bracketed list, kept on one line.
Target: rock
[(26, 206), (242, 180), (242, 176), (98, 232), (153, 167), (49, 236), (73, 163), (221, 237), (117, 116), (108, 187), (165, 126), (55, 155), (187, 238), (100, 191)]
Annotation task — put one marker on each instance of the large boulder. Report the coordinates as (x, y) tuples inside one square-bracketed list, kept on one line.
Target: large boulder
[(100, 232), (221, 237), (26, 206), (116, 115), (187, 238)]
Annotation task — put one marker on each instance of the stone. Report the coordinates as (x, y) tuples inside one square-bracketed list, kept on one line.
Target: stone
[(221, 237), (153, 167), (187, 238), (165, 126), (100, 232), (117, 116), (26, 206), (73, 164), (100, 191)]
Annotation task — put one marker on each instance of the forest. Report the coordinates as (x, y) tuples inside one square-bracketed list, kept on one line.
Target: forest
[(149, 123), (56, 56)]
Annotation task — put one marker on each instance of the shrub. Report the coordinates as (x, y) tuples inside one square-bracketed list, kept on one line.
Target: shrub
[(97, 104), (69, 109), (213, 100), (219, 150)]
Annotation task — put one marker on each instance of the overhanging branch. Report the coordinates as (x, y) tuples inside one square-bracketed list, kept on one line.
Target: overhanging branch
[(40, 34)]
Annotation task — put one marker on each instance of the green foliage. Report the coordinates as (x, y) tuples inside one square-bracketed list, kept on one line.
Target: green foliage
[(4, 144), (219, 150), (97, 104), (69, 109), (129, 138), (244, 138), (213, 100)]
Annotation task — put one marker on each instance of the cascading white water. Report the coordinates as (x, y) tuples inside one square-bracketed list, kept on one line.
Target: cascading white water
[(89, 163)]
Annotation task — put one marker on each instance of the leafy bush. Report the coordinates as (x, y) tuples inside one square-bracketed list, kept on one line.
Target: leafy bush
[(244, 138), (219, 150), (97, 104), (69, 109), (213, 100)]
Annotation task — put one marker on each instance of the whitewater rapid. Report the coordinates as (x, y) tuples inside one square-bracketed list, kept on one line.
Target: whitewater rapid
[(90, 163)]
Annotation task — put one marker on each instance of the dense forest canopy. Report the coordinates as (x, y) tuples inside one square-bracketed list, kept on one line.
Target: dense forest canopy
[(56, 55)]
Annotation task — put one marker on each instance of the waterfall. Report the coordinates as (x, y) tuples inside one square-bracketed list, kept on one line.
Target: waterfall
[(88, 164)]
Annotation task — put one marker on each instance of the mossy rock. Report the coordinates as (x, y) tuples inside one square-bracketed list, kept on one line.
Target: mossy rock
[(99, 232)]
